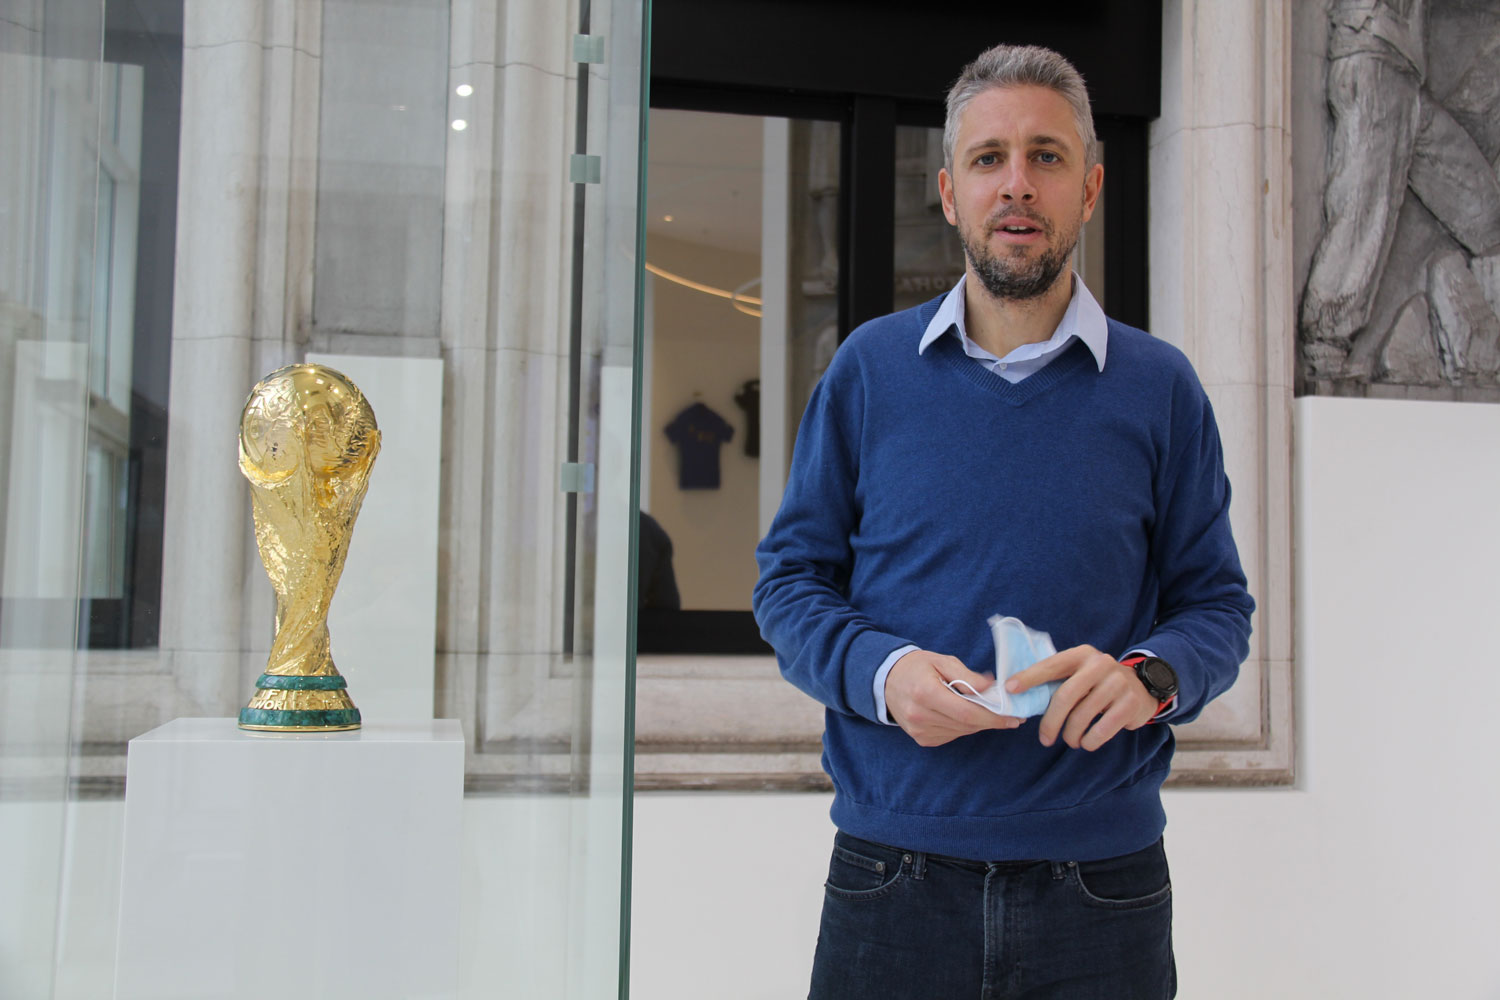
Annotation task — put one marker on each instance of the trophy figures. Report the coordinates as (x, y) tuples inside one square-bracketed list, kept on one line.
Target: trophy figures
[(308, 441)]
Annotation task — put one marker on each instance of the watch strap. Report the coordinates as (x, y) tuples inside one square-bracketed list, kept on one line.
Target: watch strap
[(1135, 660)]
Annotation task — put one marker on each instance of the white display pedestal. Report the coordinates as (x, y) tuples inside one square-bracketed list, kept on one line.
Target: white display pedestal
[(319, 865)]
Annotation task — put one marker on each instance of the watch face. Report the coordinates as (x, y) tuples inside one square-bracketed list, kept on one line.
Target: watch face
[(1158, 677)]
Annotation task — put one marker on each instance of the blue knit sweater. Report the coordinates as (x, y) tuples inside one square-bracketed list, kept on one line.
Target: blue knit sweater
[(926, 494)]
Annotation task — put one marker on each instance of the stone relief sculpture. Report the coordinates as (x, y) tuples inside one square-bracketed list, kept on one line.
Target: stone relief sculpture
[(1404, 284)]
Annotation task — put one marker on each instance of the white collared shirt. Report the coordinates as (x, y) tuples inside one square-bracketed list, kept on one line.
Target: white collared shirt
[(1084, 320)]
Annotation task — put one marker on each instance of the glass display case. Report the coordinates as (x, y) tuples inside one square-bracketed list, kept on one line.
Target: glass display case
[(440, 198)]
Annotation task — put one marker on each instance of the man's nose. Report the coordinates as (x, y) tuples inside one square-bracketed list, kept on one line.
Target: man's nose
[(1016, 185)]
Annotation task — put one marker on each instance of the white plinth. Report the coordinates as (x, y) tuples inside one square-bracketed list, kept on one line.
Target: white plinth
[(264, 865)]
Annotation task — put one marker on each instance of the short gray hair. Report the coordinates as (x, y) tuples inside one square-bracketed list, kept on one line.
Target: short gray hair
[(1021, 66)]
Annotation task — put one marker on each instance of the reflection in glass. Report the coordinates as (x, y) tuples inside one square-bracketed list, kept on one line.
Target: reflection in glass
[(325, 205), (50, 130), (929, 257), (742, 249)]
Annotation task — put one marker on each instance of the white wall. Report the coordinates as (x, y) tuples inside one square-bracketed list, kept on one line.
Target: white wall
[(1374, 877)]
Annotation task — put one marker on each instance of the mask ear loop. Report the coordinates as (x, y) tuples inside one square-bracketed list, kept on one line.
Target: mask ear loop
[(959, 680)]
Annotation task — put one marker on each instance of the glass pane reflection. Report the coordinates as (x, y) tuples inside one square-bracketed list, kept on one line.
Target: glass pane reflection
[(742, 248), (326, 205)]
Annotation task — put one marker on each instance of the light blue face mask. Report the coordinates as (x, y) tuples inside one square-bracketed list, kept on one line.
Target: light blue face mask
[(1016, 648)]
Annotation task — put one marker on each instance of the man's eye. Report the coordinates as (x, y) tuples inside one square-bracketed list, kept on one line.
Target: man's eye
[(986, 160), (1047, 157)]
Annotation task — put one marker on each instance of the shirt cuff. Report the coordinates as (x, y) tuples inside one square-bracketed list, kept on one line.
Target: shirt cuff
[(1170, 708), (880, 675)]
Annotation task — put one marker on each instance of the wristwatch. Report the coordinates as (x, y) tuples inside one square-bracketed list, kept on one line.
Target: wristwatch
[(1157, 676)]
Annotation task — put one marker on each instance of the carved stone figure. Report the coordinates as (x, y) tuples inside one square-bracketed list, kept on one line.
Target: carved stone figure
[(1414, 99)]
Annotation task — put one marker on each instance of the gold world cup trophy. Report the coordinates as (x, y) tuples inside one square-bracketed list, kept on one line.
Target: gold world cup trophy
[(308, 441)]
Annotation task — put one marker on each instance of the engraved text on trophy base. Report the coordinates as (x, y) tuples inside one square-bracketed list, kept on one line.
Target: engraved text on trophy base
[(301, 701)]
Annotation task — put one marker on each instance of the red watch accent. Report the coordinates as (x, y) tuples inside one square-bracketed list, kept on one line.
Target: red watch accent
[(1163, 707)]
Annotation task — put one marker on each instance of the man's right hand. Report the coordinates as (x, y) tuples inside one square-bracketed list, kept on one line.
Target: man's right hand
[(918, 699)]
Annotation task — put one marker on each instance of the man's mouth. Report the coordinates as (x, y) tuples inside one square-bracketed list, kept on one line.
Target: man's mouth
[(1019, 232), (1017, 226)]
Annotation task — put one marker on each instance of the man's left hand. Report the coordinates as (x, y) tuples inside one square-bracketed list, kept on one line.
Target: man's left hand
[(1095, 686)]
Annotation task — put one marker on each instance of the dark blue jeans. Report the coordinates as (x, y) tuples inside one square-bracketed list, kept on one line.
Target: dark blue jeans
[(903, 925)]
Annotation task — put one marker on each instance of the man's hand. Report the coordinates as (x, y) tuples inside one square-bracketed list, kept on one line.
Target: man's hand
[(1095, 686), (918, 699)]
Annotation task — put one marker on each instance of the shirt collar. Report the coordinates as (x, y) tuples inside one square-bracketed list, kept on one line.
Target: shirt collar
[(1084, 319)]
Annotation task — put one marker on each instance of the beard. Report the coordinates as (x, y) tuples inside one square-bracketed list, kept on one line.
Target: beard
[(1013, 274)]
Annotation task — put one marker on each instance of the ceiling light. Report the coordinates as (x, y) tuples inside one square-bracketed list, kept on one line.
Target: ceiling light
[(747, 304), (463, 90), (459, 124), (666, 218)]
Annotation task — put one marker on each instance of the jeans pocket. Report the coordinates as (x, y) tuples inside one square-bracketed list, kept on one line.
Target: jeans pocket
[(1130, 881), (859, 869)]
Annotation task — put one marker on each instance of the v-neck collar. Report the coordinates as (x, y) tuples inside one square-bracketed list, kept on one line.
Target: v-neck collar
[(949, 352)]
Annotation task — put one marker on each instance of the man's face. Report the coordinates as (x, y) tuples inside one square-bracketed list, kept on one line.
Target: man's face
[(1018, 190)]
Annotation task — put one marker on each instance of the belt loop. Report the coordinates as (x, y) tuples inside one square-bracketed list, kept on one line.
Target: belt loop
[(1059, 868), (918, 862)]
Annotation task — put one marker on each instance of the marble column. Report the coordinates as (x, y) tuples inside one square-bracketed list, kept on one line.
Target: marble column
[(1221, 289), (507, 244), (242, 264)]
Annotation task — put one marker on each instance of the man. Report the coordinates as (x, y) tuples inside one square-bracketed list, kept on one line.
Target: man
[(1007, 450)]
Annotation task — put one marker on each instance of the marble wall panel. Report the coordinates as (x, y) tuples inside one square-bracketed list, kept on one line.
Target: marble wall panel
[(208, 682), (207, 24), (469, 210), (534, 35), (461, 513), (1169, 167), (24, 22), (532, 224), (382, 129), (1239, 410), (1226, 341), (203, 564), (1227, 88), (528, 703), (289, 184), (1221, 200), (120, 704), (525, 512), (22, 79), (218, 189), (456, 689), (1238, 716)]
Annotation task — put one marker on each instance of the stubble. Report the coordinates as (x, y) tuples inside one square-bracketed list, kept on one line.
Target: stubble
[(1014, 274)]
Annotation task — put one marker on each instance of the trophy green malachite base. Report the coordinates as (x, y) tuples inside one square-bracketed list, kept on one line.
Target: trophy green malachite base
[(285, 703)]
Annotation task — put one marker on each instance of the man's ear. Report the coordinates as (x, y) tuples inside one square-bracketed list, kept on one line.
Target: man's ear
[(945, 192), (1093, 183)]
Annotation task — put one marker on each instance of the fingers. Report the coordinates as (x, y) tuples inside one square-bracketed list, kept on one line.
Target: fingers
[(1100, 698), (951, 668), (920, 702), (1052, 668)]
